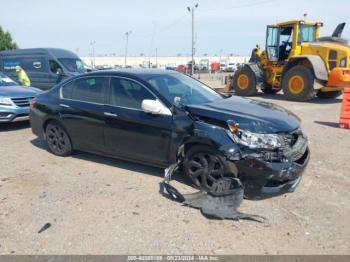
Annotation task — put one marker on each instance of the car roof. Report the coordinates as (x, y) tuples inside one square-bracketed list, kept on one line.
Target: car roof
[(133, 72), (56, 52)]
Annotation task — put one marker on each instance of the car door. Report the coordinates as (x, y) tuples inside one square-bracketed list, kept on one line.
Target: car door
[(130, 132), (81, 112)]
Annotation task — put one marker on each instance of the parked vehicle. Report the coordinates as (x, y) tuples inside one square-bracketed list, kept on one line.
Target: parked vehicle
[(14, 100), (158, 116), (223, 67), (231, 67), (181, 68), (45, 67), (215, 67)]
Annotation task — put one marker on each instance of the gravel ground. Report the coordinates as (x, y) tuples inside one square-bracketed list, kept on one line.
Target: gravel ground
[(98, 205)]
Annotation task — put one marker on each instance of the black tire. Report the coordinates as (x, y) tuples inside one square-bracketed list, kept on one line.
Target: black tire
[(204, 165), (269, 90), (333, 94), (244, 82), (299, 74), (58, 139)]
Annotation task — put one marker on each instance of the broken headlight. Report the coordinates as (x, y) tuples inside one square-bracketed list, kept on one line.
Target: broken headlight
[(254, 140)]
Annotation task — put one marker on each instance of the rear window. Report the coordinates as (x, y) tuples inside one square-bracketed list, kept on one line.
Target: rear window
[(88, 89)]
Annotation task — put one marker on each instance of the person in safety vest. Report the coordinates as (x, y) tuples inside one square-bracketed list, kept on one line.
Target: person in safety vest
[(22, 76)]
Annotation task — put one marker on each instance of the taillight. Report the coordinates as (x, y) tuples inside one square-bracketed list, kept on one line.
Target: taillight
[(32, 103)]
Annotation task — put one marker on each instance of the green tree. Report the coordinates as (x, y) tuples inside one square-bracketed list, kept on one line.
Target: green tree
[(6, 41)]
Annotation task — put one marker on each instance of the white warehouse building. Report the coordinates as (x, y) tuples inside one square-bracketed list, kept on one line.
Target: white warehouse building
[(160, 61)]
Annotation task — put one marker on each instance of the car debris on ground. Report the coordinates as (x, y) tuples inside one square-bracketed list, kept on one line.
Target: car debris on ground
[(221, 201)]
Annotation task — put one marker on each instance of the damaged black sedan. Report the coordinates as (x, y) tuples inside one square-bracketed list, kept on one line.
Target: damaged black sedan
[(158, 117)]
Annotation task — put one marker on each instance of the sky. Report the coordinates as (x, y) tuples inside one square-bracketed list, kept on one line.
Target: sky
[(162, 26)]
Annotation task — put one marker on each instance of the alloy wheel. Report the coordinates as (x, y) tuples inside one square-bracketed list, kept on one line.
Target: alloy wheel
[(205, 169), (57, 139)]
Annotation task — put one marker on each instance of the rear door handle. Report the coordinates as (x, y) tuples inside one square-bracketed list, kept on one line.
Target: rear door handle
[(64, 106), (110, 114)]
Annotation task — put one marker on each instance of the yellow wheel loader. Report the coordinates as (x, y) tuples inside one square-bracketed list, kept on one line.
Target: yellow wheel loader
[(298, 61)]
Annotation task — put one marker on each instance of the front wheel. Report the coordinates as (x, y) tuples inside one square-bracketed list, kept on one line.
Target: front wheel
[(205, 165), (58, 140), (332, 94), (244, 82), (298, 83)]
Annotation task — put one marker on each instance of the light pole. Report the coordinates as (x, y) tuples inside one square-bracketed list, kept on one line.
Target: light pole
[(156, 57), (92, 43), (191, 10), (127, 34)]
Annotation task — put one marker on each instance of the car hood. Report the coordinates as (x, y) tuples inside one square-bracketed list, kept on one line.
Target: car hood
[(18, 91), (252, 115)]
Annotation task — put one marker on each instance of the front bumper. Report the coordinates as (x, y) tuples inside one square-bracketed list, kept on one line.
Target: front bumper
[(264, 178), (8, 115)]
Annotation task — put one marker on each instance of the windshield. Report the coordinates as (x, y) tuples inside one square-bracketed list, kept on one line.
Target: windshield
[(6, 81), (180, 89), (73, 65), (307, 33)]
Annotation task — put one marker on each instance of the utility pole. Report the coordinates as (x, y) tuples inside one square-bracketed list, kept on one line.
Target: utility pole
[(156, 57), (191, 10), (92, 43), (126, 48)]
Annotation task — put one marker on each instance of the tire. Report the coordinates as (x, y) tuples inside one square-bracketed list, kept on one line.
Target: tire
[(333, 94), (244, 82), (269, 90), (58, 139), (298, 83), (204, 165)]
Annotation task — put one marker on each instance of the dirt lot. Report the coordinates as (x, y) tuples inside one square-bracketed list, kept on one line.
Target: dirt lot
[(98, 205)]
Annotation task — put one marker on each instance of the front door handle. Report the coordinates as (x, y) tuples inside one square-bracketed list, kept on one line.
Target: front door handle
[(64, 106), (110, 114)]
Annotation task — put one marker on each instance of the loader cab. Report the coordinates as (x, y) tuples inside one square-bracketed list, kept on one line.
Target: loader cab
[(284, 39)]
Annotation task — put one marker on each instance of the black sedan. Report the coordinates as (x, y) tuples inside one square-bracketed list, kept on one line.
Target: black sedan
[(158, 117)]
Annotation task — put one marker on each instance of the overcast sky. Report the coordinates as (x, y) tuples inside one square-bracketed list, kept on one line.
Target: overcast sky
[(233, 26)]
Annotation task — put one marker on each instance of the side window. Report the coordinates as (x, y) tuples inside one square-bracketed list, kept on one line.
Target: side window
[(127, 93), (89, 89), (54, 66)]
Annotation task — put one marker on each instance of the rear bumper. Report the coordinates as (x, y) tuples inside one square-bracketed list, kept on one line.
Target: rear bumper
[(338, 78)]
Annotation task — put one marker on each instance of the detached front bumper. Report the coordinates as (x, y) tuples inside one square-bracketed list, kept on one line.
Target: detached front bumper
[(264, 178)]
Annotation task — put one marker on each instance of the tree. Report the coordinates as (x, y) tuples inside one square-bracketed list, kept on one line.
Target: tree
[(6, 41)]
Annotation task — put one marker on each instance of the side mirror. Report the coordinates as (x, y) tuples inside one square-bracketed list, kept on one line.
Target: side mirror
[(60, 72), (155, 107)]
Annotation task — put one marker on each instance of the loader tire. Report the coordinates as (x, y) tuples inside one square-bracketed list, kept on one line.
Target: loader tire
[(298, 84), (244, 82)]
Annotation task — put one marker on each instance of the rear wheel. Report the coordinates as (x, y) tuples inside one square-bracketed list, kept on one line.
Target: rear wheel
[(244, 82), (298, 83), (58, 140), (205, 165), (332, 94)]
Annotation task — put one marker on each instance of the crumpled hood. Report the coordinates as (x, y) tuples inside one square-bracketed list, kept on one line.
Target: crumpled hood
[(18, 91), (252, 115)]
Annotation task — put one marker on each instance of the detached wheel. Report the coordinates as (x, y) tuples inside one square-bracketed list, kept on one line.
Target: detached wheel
[(205, 165), (332, 94), (298, 83), (58, 140), (244, 82)]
